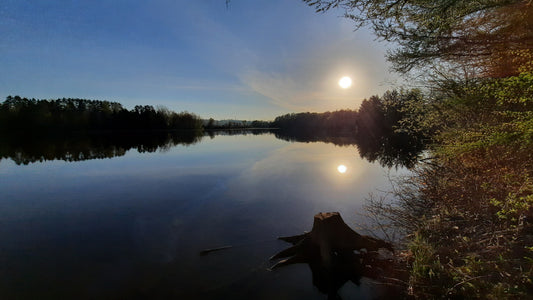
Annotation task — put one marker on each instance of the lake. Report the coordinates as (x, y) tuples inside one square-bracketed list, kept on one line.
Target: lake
[(115, 220)]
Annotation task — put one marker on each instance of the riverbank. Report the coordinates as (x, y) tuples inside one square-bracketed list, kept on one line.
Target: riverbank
[(469, 210)]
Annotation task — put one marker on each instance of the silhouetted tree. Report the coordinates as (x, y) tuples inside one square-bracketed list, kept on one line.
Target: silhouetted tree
[(211, 123)]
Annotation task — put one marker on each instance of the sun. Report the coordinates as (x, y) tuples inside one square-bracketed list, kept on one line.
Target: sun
[(345, 82), (342, 169)]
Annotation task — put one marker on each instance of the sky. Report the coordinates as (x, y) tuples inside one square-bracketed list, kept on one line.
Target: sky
[(253, 59)]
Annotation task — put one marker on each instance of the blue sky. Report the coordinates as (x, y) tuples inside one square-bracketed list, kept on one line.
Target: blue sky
[(256, 59)]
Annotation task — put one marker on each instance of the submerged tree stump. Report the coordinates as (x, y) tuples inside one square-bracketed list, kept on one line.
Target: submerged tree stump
[(335, 254), (329, 237)]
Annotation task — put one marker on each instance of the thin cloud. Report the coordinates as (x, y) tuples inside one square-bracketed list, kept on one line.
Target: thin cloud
[(309, 80)]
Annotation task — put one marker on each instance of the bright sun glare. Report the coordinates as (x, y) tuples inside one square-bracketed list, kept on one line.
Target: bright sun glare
[(345, 82), (342, 169)]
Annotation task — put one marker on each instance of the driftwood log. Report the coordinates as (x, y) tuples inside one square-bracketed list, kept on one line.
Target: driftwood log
[(335, 254)]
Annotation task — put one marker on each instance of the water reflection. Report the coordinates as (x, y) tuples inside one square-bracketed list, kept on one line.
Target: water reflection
[(131, 228), (24, 149), (336, 254), (392, 150)]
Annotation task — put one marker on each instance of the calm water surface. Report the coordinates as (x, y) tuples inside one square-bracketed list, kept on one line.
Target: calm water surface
[(132, 226)]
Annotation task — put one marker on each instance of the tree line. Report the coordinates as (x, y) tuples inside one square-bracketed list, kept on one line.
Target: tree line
[(337, 121), (400, 112), (392, 129), (72, 114)]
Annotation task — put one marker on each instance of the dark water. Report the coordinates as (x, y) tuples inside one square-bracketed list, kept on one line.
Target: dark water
[(100, 219)]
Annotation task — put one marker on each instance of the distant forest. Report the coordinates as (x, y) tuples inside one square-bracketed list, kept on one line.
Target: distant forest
[(68, 114), (382, 122), (394, 112), (337, 121)]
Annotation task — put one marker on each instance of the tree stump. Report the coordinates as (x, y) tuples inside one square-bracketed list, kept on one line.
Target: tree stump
[(329, 236), (329, 250)]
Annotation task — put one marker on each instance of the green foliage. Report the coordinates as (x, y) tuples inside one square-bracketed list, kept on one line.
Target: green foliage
[(489, 113), (426, 265), (516, 91), (517, 203)]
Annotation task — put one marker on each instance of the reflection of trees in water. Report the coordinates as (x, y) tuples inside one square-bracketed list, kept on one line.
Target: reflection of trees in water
[(25, 149), (389, 128), (342, 139), (390, 149), (31, 148), (394, 150), (230, 132)]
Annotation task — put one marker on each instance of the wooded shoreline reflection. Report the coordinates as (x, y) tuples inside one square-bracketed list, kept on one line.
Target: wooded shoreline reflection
[(23, 149), (389, 150)]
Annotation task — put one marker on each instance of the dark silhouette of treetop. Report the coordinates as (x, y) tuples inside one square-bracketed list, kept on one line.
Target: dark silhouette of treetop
[(68, 114)]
